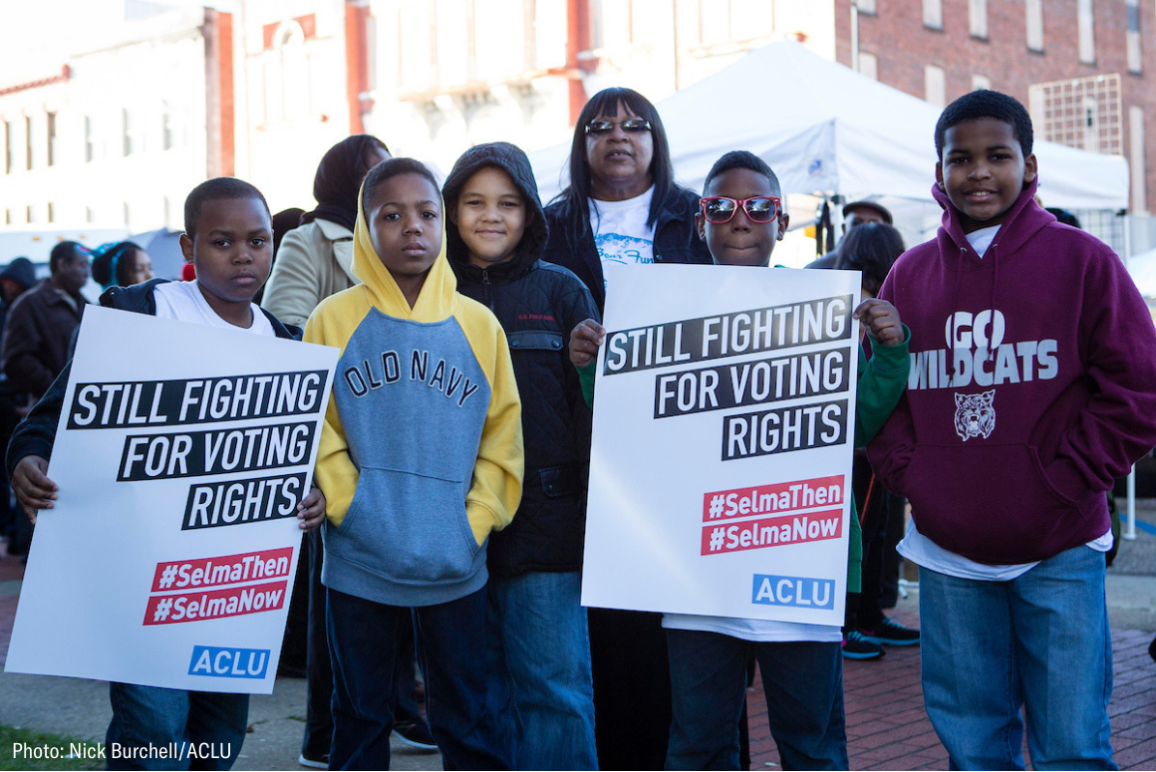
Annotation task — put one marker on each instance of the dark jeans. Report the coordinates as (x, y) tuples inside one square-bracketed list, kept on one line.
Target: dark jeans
[(362, 636), (207, 727), (318, 669), (803, 681)]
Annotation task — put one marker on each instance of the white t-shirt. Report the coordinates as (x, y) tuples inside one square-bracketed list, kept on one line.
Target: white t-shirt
[(620, 230), (981, 239), (183, 301), (924, 552)]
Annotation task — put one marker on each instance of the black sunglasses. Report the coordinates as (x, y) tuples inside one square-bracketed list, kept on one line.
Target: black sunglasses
[(632, 125)]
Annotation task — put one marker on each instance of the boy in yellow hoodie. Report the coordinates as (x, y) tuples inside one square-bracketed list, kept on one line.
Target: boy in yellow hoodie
[(420, 459)]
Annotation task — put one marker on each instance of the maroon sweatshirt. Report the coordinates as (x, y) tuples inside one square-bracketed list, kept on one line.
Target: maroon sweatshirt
[(1033, 384)]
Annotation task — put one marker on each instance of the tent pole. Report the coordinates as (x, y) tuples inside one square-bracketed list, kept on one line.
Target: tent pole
[(1129, 531), (855, 35)]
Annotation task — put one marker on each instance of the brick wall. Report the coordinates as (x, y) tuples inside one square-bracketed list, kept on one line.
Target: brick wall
[(895, 34)]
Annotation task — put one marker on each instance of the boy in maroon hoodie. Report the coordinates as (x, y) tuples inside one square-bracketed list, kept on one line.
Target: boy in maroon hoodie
[(1032, 385)]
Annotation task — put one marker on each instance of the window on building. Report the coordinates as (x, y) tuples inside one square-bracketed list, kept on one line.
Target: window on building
[(977, 18), (1136, 159), (933, 14), (89, 145), (7, 216), (168, 210), (934, 85), (126, 131), (869, 65), (28, 214), (28, 142), (51, 213), (50, 155), (866, 6), (1035, 20), (8, 140), (980, 82), (88, 214), (127, 215), (1133, 36), (1084, 20)]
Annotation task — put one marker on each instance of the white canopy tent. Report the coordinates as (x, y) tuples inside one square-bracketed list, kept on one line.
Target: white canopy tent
[(826, 129)]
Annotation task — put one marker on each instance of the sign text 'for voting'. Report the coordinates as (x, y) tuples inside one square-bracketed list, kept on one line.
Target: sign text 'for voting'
[(724, 433), (216, 430)]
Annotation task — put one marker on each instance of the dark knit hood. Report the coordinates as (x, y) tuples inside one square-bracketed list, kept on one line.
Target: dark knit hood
[(513, 161)]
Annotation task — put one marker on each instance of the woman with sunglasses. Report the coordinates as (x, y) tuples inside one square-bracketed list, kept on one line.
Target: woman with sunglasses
[(622, 206)]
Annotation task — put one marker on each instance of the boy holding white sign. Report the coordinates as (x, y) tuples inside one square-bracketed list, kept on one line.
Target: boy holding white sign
[(228, 237), (741, 220)]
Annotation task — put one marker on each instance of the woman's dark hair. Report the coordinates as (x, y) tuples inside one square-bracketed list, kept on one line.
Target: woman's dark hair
[(339, 177), (393, 168), (871, 248), (117, 255), (575, 199)]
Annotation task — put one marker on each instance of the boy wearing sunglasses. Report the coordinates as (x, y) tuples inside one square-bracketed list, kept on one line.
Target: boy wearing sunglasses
[(741, 219)]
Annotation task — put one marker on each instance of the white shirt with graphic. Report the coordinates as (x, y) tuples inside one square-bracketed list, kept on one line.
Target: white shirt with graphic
[(620, 230), (183, 301), (924, 552)]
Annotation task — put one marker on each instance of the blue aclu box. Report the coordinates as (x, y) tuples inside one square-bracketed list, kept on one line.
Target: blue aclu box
[(228, 662), (796, 591)]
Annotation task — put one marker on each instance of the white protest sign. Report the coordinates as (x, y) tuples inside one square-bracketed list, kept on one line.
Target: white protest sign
[(181, 455), (724, 420)]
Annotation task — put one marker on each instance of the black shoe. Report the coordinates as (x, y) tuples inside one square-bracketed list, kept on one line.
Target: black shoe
[(855, 646), (891, 633), (415, 734)]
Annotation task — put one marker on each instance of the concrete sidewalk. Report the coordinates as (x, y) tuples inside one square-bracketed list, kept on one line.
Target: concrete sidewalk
[(887, 725)]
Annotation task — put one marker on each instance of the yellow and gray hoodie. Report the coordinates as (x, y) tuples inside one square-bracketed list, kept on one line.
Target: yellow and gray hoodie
[(421, 452)]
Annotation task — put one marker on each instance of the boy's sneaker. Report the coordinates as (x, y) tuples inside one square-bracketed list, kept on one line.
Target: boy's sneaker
[(891, 633), (319, 763), (415, 734), (855, 646)]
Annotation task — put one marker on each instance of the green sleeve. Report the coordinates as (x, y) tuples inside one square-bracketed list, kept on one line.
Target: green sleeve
[(881, 384), (586, 375), (855, 551)]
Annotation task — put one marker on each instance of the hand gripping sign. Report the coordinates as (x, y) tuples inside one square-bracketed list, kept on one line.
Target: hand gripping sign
[(169, 557), (720, 470)]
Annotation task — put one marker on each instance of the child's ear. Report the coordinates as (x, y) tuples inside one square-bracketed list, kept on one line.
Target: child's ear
[(187, 248), (1030, 168), (700, 225), (784, 221), (939, 174)]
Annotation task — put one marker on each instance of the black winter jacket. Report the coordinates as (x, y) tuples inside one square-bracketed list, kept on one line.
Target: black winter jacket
[(675, 241), (36, 434), (538, 304)]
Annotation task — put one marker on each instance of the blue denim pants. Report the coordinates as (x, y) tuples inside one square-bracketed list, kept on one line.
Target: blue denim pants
[(207, 727), (803, 681), (539, 651), (362, 645), (1040, 642)]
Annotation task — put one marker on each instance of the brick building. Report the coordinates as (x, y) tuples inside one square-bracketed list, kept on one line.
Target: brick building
[(1084, 68)]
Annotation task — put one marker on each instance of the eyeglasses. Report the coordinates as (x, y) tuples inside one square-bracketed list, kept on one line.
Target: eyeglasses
[(720, 209), (631, 125)]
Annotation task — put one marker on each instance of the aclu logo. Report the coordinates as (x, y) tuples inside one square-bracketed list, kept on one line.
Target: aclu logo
[(793, 591), (228, 662)]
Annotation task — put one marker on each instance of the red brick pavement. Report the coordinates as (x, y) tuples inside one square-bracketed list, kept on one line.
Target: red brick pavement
[(887, 727)]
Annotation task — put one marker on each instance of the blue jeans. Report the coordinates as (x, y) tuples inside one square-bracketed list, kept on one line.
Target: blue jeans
[(803, 681), (362, 644), (203, 725), (1040, 641), (539, 652)]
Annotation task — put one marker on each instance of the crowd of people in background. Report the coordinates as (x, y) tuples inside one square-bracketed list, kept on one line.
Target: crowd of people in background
[(1008, 515)]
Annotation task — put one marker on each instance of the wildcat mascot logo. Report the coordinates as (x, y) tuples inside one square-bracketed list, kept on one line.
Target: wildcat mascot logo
[(974, 415)]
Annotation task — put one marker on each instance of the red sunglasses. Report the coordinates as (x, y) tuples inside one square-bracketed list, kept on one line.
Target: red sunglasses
[(720, 209)]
